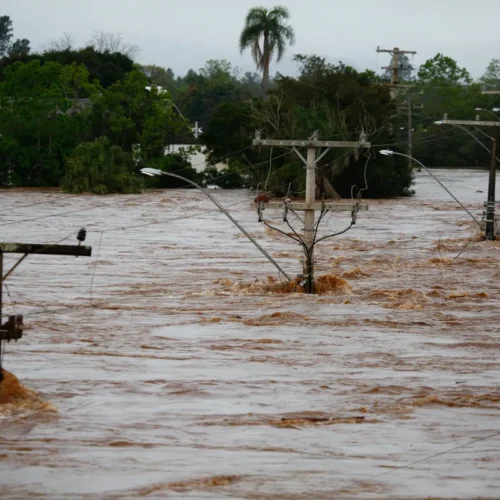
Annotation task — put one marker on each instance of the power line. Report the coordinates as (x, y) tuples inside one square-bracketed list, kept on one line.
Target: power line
[(430, 457), (62, 214)]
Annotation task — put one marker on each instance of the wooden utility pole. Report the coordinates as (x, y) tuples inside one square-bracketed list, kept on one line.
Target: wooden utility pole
[(489, 233), (13, 328), (395, 66), (410, 107), (310, 206)]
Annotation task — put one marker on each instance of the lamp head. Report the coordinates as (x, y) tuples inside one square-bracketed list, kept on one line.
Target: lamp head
[(495, 110), (386, 152), (439, 122), (152, 172)]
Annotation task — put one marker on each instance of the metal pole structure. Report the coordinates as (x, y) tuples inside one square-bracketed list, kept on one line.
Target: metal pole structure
[(489, 229), (390, 153), (153, 172), (410, 132), (490, 204), (309, 217)]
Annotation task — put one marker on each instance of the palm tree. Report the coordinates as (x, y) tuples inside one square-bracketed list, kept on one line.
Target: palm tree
[(269, 26)]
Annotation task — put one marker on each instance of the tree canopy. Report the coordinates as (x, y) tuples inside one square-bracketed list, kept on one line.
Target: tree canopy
[(88, 118)]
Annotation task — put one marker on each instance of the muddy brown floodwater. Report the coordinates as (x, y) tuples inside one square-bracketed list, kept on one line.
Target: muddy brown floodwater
[(180, 373)]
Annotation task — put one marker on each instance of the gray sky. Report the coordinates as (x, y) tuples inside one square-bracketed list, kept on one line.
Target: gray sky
[(184, 34)]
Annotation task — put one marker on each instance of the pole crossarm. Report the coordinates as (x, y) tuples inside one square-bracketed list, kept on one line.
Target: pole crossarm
[(332, 207), (313, 143), (32, 248), (13, 328), (472, 123), (390, 51), (490, 92)]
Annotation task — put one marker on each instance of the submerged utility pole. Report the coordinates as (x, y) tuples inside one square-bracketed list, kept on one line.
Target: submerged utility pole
[(310, 206), (489, 232), (13, 328)]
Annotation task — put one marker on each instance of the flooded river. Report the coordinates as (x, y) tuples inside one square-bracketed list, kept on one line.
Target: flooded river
[(162, 367)]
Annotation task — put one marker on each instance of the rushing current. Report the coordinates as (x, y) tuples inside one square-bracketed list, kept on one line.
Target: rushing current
[(166, 365)]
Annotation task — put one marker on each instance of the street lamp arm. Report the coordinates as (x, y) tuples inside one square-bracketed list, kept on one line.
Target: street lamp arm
[(390, 153), (153, 172)]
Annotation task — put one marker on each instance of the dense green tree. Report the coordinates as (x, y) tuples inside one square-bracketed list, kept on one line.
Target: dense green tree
[(177, 163), (5, 33), (228, 129), (491, 77), (105, 67), (136, 119), (443, 70), (446, 88), (20, 48), (200, 96), (101, 168), (336, 100), (219, 71), (36, 124), (266, 34)]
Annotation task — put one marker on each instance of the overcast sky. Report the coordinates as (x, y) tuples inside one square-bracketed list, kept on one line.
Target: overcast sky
[(183, 34)]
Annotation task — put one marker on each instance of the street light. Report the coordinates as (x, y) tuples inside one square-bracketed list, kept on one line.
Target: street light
[(389, 152), (153, 172)]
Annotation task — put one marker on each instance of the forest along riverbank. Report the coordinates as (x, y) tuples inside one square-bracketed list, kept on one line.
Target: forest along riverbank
[(177, 373)]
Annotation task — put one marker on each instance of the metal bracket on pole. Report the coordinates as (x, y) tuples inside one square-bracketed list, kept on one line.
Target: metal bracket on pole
[(299, 154)]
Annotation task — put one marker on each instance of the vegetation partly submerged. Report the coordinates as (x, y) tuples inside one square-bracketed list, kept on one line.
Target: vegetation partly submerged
[(89, 118)]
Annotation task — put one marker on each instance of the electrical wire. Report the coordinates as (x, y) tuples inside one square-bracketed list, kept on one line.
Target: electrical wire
[(283, 232), (199, 213), (366, 181), (270, 167), (337, 234), (435, 455), (14, 207), (62, 214), (41, 251)]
